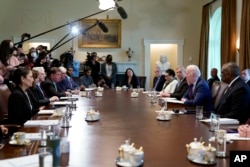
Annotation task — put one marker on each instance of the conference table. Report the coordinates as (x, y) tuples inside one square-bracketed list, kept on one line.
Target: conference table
[(95, 144)]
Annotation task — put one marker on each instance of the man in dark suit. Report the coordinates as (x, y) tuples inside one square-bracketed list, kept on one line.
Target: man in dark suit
[(245, 75), (49, 85), (235, 100), (198, 93), (182, 85), (214, 77), (158, 80), (109, 71)]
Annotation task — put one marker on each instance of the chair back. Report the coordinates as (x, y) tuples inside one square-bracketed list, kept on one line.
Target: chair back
[(217, 91), (142, 81), (4, 95)]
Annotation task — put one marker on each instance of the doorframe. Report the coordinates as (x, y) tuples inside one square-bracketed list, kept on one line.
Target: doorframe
[(147, 47)]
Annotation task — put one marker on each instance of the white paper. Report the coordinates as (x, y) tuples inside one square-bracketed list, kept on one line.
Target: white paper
[(41, 122), (25, 161), (174, 101), (223, 121), (68, 97), (46, 112), (236, 136), (62, 102), (168, 98)]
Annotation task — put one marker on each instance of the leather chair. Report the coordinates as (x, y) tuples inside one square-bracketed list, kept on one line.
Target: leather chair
[(217, 91), (142, 80)]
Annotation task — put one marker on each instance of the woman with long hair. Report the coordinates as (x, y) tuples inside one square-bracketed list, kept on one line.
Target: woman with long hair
[(130, 79)]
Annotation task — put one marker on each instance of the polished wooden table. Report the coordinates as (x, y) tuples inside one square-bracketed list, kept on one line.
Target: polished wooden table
[(95, 144)]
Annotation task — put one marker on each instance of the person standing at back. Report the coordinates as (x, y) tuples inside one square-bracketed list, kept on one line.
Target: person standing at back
[(94, 65), (214, 77), (234, 102), (109, 71)]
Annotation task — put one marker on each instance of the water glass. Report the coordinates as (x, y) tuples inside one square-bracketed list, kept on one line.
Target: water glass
[(214, 122), (199, 112), (45, 157), (221, 139)]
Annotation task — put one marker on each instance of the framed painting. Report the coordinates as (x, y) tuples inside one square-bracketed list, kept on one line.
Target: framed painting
[(96, 38)]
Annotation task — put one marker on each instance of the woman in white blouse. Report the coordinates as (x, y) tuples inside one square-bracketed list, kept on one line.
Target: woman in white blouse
[(171, 82)]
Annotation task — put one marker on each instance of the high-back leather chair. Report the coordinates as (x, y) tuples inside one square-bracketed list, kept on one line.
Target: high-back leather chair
[(217, 91), (4, 95)]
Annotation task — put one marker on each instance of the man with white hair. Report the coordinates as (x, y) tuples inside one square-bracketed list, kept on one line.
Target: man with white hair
[(198, 93), (158, 80), (41, 77)]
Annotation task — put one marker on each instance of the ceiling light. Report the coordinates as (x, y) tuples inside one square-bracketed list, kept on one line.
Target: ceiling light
[(105, 4)]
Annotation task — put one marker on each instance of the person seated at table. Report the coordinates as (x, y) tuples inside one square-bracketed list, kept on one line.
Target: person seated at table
[(36, 95), (3, 131), (64, 84), (86, 80), (198, 93), (234, 102), (101, 82), (170, 83), (20, 106), (182, 85), (245, 75), (158, 80), (49, 85), (130, 79), (73, 84)]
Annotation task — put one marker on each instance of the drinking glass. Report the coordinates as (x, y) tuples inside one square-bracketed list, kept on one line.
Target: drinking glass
[(45, 157), (199, 112), (214, 122), (220, 137)]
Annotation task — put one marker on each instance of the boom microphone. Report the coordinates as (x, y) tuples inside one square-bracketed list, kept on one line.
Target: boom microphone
[(102, 26), (122, 12)]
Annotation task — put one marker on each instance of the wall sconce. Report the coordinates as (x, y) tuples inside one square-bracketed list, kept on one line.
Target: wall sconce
[(238, 45), (106, 4)]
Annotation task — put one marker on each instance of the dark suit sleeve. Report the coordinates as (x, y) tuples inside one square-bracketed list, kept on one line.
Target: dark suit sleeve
[(180, 91), (51, 91)]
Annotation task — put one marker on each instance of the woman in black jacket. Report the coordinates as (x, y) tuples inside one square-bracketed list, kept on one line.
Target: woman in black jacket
[(130, 79)]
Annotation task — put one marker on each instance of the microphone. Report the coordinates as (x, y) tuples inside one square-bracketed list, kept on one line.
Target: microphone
[(122, 12), (102, 26)]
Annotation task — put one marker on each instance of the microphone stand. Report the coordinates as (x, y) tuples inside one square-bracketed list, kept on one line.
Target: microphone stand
[(57, 45), (63, 26)]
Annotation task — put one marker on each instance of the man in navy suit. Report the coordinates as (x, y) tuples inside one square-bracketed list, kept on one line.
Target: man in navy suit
[(158, 80), (235, 101), (198, 93)]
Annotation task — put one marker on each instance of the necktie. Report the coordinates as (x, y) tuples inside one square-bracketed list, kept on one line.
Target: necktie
[(227, 88), (40, 89), (191, 91), (156, 83), (55, 86)]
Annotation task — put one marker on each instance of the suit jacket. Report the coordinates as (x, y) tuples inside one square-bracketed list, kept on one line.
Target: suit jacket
[(211, 80), (63, 85), (35, 95), (113, 75), (19, 110), (95, 69), (160, 84), (248, 82), (50, 90), (201, 96), (235, 102), (180, 89)]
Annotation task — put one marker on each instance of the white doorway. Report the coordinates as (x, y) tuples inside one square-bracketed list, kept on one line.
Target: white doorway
[(173, 49)]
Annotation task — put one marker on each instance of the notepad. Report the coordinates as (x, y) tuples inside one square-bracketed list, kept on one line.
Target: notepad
[(41, 122), (174, 101), (41, 112), (223, 121), (62, 103), (27, 161)]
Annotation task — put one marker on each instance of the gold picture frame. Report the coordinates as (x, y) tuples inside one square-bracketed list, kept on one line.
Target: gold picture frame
[(96, 38)]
